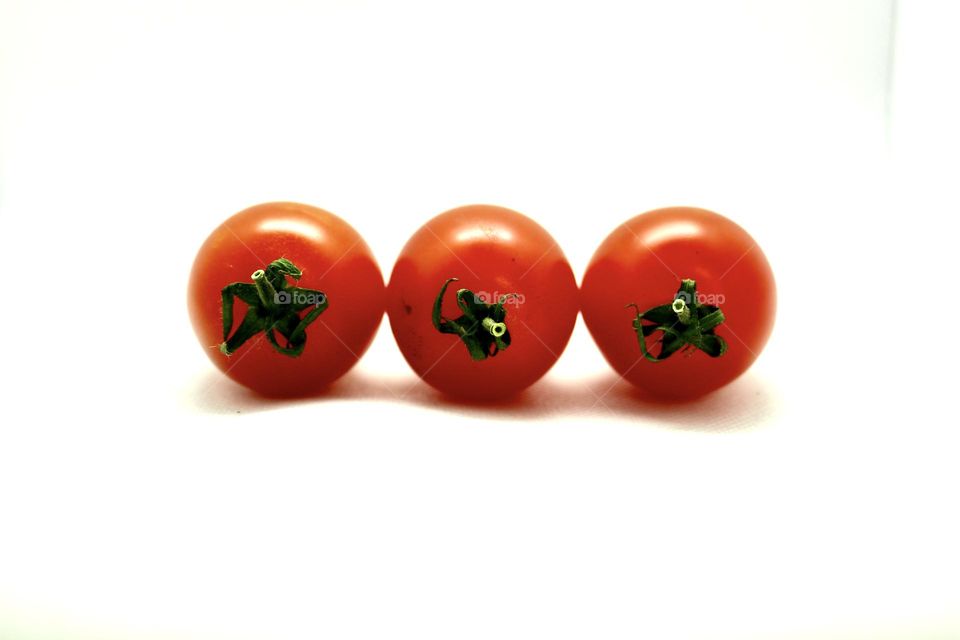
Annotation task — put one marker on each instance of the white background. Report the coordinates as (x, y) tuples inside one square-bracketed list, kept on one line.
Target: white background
[(144, 495)]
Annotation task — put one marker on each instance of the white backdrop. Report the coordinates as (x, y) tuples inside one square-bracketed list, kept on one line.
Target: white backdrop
[(143, 495)]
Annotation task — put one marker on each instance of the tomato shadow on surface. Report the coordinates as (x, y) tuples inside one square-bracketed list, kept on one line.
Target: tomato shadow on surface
[(214, 393), (747, 403)]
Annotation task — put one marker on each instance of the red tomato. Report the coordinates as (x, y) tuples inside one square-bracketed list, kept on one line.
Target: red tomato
[(706, 339), (304, 292), (505, 319)]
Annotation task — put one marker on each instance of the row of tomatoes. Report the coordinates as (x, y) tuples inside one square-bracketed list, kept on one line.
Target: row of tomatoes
[(285, 298)]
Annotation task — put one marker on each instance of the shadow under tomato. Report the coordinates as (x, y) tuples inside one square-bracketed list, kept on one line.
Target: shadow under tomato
[(214, 393), (746, 403)]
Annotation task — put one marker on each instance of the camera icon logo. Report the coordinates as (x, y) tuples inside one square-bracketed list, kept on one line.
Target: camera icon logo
[(282, 297)]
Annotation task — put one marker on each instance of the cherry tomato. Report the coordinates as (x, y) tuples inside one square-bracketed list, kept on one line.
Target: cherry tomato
[(680, 301), (285, 298), (482, 302)]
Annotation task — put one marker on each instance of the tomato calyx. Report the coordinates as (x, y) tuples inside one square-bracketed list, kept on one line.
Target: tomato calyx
[(482, 326), (273, 305), (685, 324)]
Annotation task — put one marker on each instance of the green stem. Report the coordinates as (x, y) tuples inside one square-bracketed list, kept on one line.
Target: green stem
[(481, 345), (265, 290), (682, 310), (496, 329), (267, 313), (684, 322)]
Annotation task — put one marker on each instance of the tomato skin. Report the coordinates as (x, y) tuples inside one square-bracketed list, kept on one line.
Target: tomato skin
[(643, 261), (334, 259), (494, 250)]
